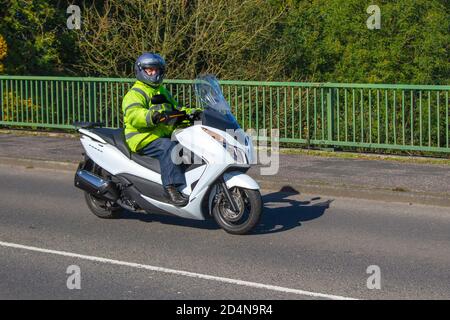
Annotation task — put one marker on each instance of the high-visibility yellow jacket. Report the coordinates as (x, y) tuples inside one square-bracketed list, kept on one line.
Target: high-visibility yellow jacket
[(138, 111)]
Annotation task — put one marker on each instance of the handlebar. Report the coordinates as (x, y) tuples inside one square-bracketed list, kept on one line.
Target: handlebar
[(179, 117), (194, 117)]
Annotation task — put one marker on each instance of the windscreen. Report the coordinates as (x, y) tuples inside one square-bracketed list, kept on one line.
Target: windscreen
[(208, 93), (216, 110)]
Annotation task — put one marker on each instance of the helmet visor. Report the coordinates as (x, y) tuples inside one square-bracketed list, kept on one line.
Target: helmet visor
[(152, 71)]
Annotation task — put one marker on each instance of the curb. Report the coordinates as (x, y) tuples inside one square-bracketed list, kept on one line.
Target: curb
[(346, 191), (39, 163), (28, 133)]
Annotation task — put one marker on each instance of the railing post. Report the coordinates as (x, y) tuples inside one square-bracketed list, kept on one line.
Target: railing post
[(330, 114), (92, 102)]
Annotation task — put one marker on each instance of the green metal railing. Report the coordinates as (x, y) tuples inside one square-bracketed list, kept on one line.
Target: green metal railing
[(402, 117)]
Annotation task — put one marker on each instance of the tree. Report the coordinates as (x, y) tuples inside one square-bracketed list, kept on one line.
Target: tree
[(3, 52), (280, 40), (329, 41), (231, 38), (39, 41)]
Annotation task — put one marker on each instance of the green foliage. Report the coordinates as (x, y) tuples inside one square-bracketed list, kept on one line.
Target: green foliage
[(283, 40), (15, 108), (3, 51), (39, 42), (329, 41)]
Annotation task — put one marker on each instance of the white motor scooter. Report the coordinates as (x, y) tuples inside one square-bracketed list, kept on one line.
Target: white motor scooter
[(215, 153)]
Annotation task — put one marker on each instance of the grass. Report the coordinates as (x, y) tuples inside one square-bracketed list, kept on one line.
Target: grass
[(18, 132), (366, 156)]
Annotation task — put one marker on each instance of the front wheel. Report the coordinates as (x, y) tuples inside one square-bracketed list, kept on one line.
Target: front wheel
[(249, 203)]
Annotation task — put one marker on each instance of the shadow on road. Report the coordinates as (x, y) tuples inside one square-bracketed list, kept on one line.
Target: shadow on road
[(280, 214), (171, 220)]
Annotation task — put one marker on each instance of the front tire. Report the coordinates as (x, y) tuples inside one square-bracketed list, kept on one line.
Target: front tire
[(102, 208), (250, 208)]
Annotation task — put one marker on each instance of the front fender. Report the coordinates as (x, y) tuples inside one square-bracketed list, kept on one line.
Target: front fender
[(239, 179)]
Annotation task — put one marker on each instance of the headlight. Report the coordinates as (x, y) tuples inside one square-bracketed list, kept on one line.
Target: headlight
[(236, 153), (214, 135)]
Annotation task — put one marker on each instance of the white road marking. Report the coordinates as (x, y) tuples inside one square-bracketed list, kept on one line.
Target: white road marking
[(177, 272)]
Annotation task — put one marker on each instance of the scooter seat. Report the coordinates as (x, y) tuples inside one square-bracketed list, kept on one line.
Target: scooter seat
[(115, 137), (146, 161)]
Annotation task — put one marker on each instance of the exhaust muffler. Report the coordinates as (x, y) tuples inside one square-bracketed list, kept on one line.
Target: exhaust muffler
[(95, 185)]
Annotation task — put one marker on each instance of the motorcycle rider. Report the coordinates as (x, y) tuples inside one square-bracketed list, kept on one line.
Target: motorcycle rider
[(149, 126)]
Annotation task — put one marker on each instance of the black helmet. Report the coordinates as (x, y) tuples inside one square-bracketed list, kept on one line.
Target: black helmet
[(147, 60)]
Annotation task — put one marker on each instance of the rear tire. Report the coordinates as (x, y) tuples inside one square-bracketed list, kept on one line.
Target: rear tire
[(102, 208), (250, 208)]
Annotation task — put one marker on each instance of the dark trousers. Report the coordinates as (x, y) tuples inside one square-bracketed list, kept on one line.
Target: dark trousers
[(161, 149)]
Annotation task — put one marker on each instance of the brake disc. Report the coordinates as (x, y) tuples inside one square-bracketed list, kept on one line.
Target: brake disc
[(228, 213)]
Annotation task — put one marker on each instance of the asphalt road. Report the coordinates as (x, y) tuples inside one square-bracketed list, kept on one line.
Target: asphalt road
[(306, 247)]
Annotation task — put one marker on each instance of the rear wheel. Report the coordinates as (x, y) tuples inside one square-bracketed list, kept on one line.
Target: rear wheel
[(249, 211), (102, 208)]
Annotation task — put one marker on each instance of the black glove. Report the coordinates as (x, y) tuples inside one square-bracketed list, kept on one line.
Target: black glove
[(196, 115), (168, 117), (159, 99)]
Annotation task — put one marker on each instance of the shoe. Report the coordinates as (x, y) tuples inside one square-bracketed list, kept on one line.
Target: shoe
[(175, 196)]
